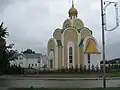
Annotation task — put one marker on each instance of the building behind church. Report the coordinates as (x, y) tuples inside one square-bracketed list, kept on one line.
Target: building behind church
[(30, 60)]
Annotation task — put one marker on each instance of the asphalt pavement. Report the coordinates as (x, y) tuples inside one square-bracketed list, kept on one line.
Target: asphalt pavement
[(57, 81)]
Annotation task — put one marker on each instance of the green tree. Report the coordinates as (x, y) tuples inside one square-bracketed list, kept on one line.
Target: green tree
[(13, 54), (3, 50), (3, 34)]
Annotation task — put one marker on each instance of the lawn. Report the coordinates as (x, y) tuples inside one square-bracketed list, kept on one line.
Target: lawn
[(64, 89)]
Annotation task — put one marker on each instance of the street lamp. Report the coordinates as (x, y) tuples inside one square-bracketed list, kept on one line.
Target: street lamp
[(104, 27)]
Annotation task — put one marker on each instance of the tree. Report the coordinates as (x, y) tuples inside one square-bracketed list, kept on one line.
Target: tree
[(3, 51), (3, 34), (13, 54), (4, 62)]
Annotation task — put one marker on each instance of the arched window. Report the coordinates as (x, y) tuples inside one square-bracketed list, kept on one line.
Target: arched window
[(70, 55)]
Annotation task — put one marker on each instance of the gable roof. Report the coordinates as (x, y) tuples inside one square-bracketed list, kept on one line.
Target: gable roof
[(113, 61)]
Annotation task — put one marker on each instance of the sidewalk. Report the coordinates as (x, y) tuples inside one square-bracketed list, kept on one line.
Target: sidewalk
[(21, 77), (51, 76), (3, 88)]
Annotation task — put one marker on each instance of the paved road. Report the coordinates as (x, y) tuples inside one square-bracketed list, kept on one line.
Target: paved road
[(54, 82)]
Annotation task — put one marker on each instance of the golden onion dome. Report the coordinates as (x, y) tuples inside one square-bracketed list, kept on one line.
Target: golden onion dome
[(73, 11)]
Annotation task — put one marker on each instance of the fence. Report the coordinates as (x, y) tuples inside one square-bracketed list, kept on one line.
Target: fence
[(94, 69)]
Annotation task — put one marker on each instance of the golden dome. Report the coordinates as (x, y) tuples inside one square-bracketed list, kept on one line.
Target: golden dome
[(73, 11)]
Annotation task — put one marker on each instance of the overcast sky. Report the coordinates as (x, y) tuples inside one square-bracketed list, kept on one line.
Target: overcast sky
[(31, 22)]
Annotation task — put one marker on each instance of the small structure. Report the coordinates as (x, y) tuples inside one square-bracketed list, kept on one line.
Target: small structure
[(35, 60), (113, 62)]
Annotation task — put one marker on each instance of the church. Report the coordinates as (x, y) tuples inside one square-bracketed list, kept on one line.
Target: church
[(67, 47)]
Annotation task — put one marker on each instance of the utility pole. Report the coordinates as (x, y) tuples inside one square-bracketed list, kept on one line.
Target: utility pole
[(89, 63), (104, 5), (103, 45)]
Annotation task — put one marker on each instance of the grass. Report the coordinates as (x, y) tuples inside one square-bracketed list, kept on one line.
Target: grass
[(64, 89), (116, 73)]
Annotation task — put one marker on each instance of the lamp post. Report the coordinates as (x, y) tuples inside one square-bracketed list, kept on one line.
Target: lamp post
[(103, 45), (104, 5)]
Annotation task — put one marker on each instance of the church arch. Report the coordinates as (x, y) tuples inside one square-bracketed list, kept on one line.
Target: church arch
[(70, 28), (78, 24), (67, 23), (52, 48), (51, 40), (70, 34), (84, 32), (57, 34)]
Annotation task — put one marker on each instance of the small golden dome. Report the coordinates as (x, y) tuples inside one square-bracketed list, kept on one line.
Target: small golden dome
[(73, 12)]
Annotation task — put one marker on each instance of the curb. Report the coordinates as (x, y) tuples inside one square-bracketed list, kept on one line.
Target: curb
[(61, 79)]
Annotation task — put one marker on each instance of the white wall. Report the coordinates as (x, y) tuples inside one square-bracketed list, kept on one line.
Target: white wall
[(94, 60), (24, 63), (20, 61), (33, 63), (45, 59)]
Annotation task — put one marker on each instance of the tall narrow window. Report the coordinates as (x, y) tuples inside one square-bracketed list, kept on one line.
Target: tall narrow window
[(70, 55), (51, 63)]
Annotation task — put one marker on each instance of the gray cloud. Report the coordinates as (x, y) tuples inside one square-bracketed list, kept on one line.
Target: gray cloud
[(32, 22), (4, 3)]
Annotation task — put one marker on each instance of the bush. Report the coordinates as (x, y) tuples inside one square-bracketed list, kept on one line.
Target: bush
[(93, 68), (85, 69), (14, 70)]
